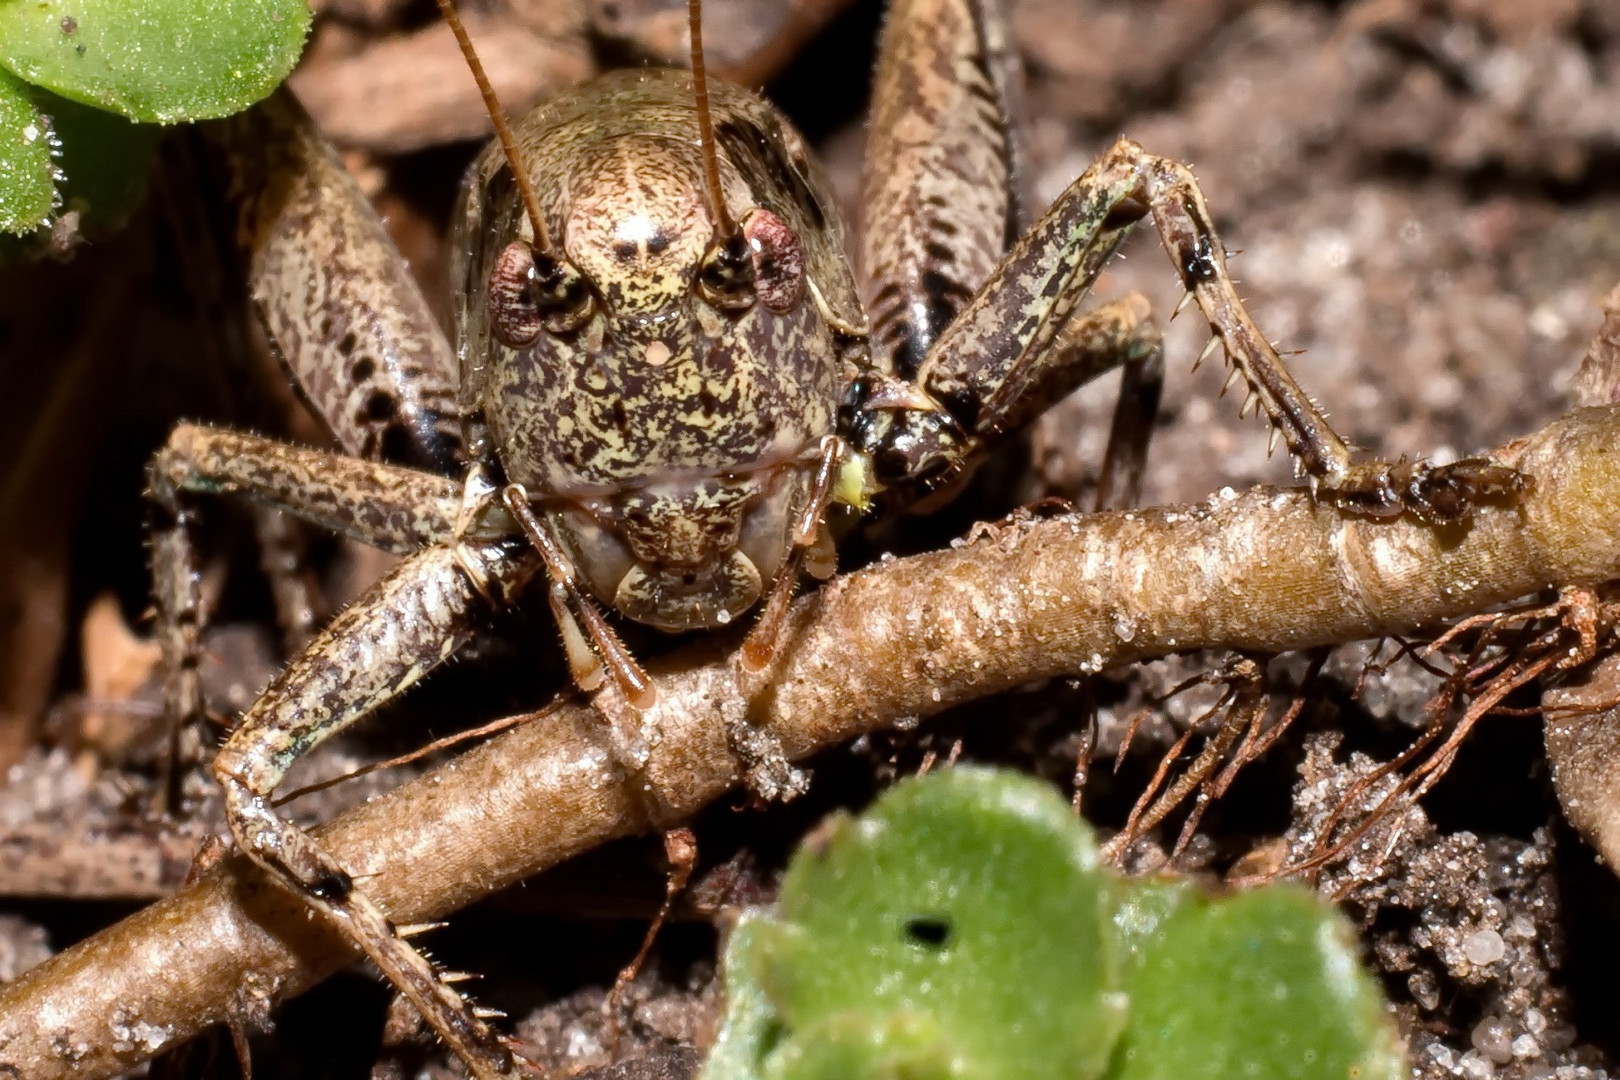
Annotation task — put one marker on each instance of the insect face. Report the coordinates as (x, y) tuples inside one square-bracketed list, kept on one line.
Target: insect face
[(660, 390)]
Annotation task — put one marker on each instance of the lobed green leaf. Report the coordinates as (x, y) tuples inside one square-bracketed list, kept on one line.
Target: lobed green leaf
[(963, 929)]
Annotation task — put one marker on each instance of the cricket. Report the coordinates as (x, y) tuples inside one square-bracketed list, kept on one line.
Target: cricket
[(669, 373)]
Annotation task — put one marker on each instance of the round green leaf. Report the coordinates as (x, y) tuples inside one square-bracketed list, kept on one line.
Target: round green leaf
[(27, 173), (154, 60), (963, 930), (955, 930), (1262, 984)]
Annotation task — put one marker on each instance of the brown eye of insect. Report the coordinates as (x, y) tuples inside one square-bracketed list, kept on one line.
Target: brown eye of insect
[(726, 278), (530, 293), (777, 258)]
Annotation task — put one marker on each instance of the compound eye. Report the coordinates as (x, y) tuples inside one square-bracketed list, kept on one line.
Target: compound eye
[(726, 278), (530, 292), (777, 258)]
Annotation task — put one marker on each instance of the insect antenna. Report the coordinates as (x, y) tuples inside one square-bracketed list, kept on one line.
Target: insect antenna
[(724, 227), (503, 130)]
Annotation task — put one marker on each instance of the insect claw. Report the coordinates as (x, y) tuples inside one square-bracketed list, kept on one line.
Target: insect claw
[(1271, 441), (1209, 349)]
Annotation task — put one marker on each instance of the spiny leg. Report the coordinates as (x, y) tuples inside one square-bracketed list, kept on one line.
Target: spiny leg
[(1002, 337), (387, 506), (1128, 180), (408, 623)]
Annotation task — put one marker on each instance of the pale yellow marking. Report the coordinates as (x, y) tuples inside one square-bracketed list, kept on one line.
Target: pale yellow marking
[(855, 484)]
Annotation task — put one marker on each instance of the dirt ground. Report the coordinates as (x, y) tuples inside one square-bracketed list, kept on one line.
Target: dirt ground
[(1424, 198)]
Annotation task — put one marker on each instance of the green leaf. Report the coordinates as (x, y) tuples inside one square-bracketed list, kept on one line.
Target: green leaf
[(1264, 984), (911, 942), (749, 1030), (962, 929), (27, 173), (154, 60)]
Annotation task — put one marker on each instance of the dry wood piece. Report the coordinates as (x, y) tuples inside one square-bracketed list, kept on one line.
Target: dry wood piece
[(1265, 570), (60, 860), (405, 93), (746, 41)]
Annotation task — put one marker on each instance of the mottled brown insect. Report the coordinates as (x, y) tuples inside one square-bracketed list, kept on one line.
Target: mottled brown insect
[(664, 373)]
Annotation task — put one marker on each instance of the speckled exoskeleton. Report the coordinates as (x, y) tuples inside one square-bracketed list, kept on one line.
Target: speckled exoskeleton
[(665, 370)]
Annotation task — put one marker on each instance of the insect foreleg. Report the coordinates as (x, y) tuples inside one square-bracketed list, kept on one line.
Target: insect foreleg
[(408, 623)]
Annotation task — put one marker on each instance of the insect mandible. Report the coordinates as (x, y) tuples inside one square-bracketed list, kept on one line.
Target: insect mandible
[(664, 374)]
